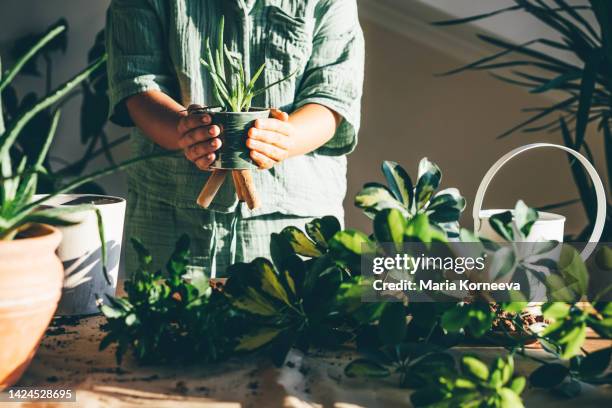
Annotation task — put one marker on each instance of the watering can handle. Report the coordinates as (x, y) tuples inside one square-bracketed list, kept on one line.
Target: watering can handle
[(599, 190)]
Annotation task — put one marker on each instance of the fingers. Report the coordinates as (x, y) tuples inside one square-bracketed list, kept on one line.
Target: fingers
[(198, 135), (280, 115), (204, 162), (275, 125), (273, 152), (262, 161), (270, 137), (194, 152), (192, 121)]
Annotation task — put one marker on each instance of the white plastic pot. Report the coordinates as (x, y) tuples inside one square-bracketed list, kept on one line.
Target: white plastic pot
[(549, 226), (81, 252)]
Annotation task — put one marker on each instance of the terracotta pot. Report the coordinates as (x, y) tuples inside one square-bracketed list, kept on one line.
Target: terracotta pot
[(31, 277)]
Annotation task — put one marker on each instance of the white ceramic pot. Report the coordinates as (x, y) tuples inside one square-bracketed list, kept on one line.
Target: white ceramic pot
[(549, 226), (81, 252)]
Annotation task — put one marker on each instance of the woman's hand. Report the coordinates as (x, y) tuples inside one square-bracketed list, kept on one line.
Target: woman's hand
[(198, 138), (271, 140)]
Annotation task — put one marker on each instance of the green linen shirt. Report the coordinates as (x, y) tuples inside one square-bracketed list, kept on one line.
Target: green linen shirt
[(157, 45)]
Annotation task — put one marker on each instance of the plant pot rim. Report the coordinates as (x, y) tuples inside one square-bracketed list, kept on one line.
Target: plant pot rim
[(219, 110), (41, 232), (543, 216), (118, 200)]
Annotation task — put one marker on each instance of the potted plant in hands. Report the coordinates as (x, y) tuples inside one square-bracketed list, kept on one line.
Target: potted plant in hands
[(234, 90)]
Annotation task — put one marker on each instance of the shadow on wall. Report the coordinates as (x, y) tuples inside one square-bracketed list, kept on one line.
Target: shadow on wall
[(408, 113)]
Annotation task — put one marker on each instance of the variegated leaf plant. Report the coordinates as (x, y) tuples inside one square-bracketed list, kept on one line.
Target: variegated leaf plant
[(443, 207)]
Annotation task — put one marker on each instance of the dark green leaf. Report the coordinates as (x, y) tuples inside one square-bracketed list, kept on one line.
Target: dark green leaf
[(321, 230), (376, 197), (502, 224), (389, 227), (144, 256), (257, 339), (455, 318), (548, 375), (569, 389), (392, 325), (300, 243), (270, 284), (365, 368), (595, 363), (427, 182), (587, 193), (587, 87), (399, 182)]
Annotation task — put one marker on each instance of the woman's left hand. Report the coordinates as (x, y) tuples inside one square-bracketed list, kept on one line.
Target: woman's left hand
[(271, 140)]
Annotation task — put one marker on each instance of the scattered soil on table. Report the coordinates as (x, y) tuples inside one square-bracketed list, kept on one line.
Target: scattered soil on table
[(503, 321), (181, 388)]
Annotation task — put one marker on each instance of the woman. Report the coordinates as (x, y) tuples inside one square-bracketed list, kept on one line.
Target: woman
[(154, 69)]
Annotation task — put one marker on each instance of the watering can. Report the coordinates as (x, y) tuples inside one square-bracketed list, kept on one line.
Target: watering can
[(548, 226)]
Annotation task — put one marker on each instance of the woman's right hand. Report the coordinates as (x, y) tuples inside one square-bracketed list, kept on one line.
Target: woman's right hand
[(198, 138)]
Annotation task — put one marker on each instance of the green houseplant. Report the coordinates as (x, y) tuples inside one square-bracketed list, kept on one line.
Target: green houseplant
[(443, 207), (234, 90), (310, 294), (93, 109), (31, 285), (585, 33)]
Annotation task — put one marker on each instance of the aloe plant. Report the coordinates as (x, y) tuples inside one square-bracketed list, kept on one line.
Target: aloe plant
[(93, 108), (233, 87), (586, 84), (443, 207), (19, 210)]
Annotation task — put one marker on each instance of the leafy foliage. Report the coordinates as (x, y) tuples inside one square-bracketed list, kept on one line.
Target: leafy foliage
[(172, 317), (584, 79), (310, 294), (93, 110), (477, 385), (295, 301), (233, 87), (443, 207), (18, 183)]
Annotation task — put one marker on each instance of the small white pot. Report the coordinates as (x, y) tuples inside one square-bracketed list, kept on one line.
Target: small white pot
[(81, 252), (548, 226)]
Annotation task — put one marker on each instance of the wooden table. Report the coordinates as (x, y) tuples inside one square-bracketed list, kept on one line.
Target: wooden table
[(69, 357)]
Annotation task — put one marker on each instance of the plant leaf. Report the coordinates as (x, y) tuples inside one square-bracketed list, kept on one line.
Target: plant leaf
[(548, 375), (257, 339), (392, 324), (399, 182), (365, 368), (321, 230), (427, 182), (300, 243), (475, 368)]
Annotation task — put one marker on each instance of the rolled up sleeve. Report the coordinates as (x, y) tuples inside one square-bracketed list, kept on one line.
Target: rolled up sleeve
[(334, 73), (137, 55)]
